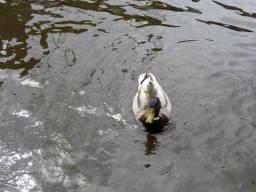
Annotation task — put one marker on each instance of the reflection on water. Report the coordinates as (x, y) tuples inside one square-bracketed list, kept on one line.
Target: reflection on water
[(151, 145), (68, 73), (14, 53)]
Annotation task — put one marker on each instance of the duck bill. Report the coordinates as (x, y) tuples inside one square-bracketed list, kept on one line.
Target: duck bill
[(151, 115)]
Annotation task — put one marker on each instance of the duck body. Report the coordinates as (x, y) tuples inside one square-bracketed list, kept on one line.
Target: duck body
[(151, 106)]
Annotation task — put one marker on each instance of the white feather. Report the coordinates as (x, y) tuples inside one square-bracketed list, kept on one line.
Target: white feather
[(142, 96)]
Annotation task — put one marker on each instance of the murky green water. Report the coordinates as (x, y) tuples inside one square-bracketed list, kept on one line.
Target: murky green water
[(68, 74)]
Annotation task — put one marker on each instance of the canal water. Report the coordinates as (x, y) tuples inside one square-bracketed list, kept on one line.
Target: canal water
[(69, 71)]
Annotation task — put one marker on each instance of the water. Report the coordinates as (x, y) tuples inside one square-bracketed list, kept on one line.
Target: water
[(68, 74)]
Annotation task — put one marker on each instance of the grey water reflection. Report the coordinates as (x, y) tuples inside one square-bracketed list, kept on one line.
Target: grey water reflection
[(240, 11), (68, 74), (151, 145), (15, 48)]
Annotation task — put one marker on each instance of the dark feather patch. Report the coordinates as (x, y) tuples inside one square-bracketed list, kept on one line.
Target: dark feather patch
[(146, 76), (151, 90), (157, 126)]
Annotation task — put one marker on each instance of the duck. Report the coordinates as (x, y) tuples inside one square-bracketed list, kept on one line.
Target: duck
[(151, 105)]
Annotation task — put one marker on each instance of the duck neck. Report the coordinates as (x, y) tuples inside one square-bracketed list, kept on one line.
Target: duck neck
[(156, 113), (156, 104)]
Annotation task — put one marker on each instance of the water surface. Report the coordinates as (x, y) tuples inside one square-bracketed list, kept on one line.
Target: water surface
[(68, 75)]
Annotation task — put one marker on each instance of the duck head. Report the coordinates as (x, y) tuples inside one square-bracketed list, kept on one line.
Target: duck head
[(154, 108)]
